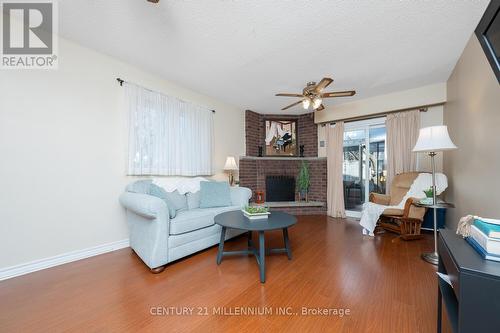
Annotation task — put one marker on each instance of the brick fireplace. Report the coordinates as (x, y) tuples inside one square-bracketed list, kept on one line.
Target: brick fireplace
[(254, 169)]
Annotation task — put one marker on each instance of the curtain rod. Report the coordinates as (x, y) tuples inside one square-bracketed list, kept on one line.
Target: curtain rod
[(421, 108), (121, 82)]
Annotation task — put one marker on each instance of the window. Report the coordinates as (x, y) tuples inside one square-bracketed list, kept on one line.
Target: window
[(167, 136)]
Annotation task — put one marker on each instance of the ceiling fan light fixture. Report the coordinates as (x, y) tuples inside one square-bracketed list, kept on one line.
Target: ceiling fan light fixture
[(306, 102), (313, 94), (317, 102)]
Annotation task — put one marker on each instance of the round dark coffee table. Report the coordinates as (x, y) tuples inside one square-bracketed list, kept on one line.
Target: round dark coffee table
[(236, 220)]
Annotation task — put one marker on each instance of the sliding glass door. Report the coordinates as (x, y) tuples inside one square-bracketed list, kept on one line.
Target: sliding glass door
[(364, 162), (354, 169)]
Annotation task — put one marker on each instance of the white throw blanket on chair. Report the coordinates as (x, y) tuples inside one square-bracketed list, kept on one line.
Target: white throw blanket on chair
[(372, 211)]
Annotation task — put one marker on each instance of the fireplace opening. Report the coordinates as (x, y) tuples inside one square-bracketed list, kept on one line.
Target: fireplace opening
[(280, 188)]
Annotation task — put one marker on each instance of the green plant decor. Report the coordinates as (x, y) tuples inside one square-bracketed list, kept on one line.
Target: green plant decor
[(303, 179), (256, 209), (429, 193)]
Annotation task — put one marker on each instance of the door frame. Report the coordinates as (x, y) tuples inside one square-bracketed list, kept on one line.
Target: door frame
[(365, 125)]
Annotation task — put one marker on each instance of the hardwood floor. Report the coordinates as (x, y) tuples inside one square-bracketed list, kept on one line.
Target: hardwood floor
[(382, 281)]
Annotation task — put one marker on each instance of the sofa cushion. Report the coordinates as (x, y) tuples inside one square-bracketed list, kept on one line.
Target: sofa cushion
[(214, 194), (194, 219), (393, 212), (193, 200), (189, 220)]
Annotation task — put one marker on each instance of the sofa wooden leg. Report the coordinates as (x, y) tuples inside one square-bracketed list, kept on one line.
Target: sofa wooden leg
[(157, 270)]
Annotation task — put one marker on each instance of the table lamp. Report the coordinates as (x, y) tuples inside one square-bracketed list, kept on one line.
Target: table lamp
[(432, 140), (231, 166)]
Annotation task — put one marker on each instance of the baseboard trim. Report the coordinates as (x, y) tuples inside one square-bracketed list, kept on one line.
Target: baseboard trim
[(37, 265)]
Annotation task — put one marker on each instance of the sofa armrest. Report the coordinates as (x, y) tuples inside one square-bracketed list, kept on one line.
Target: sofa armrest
[(143, 205), (149, 224), (240, 196), (381, 199)]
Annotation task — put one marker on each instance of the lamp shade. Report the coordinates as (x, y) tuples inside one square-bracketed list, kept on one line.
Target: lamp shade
[(230, 163), (433, 139)]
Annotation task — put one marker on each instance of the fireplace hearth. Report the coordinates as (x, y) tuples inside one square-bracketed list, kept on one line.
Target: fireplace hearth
[(280, 188)]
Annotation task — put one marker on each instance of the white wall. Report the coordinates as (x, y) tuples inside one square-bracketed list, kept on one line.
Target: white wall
[(399, 100), (433, 117), (62, 148)]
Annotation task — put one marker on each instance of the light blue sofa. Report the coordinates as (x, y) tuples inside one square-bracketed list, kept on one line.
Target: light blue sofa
[(158, 240)]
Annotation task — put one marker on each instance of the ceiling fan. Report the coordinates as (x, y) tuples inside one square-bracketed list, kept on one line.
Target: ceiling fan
[(312, 95)]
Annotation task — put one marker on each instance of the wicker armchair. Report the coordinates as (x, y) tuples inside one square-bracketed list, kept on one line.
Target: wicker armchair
[(406, 221)]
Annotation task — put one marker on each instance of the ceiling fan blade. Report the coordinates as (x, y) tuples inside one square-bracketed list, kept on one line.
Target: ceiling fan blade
[(290, 95), (291, 105), (338, 94), (320, 108), (325, 82)]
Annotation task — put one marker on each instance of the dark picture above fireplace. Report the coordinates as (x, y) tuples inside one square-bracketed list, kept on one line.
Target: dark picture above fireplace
[(281, 137)]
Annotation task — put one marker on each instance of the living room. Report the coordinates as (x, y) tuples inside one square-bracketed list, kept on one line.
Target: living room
[(249, 166)]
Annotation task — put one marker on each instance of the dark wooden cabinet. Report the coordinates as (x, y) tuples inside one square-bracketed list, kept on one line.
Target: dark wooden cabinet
[(472, 302)]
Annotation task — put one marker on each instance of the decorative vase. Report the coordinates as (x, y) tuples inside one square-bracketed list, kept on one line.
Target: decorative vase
[(303, 195), (259, 197)]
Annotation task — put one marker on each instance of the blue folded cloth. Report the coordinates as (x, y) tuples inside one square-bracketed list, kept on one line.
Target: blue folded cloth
[(489, 229)]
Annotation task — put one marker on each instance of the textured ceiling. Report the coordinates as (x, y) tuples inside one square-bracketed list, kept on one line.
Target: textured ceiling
[(243, 52)]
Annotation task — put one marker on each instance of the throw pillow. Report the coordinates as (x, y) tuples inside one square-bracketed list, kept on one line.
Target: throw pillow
[(139, 186), (159, 192), (214, 194), (178, 200), (193, 200)]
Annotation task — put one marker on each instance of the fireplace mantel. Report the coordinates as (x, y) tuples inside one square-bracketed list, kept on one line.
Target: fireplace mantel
[(282, 158)]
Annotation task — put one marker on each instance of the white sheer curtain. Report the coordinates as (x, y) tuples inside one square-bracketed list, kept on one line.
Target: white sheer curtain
[(167, 136)]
